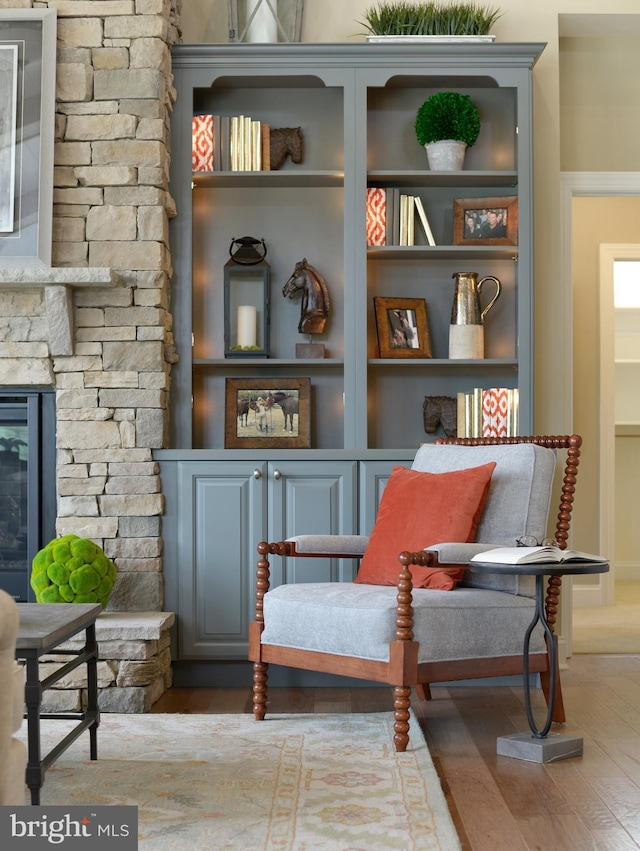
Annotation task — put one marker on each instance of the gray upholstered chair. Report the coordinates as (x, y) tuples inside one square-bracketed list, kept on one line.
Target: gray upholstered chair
[(411, 637), (13, 753)]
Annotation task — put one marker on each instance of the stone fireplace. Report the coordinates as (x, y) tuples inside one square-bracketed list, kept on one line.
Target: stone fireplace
[(96, 327)]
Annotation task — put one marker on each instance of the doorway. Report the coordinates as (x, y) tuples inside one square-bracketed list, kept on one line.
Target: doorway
[(615, 626), (599, 208)]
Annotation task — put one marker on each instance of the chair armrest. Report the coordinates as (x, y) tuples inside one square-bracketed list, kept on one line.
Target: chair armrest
[(345, 546), (311, 546), (456, 553)]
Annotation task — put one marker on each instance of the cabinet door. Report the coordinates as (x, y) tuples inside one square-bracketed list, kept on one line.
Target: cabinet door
[(221, 520), (312, 498), (373, 477)]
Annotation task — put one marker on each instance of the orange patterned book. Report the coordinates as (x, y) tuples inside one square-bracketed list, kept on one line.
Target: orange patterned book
[(376, 216), (202, 143)]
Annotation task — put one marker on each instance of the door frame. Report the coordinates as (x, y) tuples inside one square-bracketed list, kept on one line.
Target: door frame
[(596, 184)]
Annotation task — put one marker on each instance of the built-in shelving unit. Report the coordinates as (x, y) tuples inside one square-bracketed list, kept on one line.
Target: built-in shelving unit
[(356, 105)]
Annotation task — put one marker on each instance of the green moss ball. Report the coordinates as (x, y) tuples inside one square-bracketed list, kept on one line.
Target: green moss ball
[(72, 570)]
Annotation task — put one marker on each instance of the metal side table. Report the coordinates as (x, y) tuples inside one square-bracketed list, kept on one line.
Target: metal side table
[(540, 745), (43, 627)]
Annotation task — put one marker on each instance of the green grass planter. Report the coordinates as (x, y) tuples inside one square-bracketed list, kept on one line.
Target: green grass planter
[(72, 570), (435, 18)]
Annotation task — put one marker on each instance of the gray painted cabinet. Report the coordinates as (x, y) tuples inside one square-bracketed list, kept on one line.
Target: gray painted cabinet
[(356, 106), (224, 509)]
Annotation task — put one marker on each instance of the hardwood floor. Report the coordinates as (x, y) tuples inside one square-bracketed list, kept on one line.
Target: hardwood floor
[(498, 803)]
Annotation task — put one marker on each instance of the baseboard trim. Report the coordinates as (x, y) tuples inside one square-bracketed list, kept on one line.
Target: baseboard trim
[(587, 595)]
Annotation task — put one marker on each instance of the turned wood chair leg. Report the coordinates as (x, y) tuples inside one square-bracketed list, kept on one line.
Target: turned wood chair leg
[(402, 704), (423, 690), (260, 677)]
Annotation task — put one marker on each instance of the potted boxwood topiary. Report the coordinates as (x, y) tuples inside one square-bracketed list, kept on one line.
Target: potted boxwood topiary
[(446, 124), (443, 20), (71, 569)]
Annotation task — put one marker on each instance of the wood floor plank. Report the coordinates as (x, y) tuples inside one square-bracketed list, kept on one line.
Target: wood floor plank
[(374, 699), (580, 794), (560, 833), (481, 810), (622, 796), (608, 840)]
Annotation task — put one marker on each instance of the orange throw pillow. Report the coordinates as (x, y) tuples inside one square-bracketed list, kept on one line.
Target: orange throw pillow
[(418, 510)]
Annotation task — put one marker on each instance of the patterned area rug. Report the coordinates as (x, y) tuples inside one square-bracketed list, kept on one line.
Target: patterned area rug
[(291, 782)]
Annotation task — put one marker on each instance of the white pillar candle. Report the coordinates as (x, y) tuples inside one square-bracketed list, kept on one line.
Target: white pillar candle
[(246, 325), (263, 27)]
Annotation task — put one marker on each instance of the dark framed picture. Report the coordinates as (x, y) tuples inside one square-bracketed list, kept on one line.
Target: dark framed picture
[(27, 131), (402, 326), (485, 221), (265, 413)]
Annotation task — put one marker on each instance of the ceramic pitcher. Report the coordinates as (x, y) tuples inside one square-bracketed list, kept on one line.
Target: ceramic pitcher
[(466, 308), (466, 332)]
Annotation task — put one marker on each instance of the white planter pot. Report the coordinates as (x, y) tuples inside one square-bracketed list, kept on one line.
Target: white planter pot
[(447, 155)]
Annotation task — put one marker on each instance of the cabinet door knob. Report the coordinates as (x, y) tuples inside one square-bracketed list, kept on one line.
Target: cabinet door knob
[(257, 474), (277, 474)]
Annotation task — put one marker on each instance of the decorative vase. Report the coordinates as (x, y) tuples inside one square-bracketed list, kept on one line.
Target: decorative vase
[(446, 155), (466, 332)]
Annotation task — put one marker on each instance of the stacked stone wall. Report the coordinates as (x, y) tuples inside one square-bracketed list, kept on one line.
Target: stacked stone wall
[(112, 206)]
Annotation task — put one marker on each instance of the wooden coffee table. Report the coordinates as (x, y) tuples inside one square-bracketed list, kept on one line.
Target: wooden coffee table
[(43, 627)]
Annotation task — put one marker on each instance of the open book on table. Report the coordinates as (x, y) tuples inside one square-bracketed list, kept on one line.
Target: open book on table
[(533, 555)]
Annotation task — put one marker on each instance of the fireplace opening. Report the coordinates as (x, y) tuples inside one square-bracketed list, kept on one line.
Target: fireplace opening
[(27, 484)]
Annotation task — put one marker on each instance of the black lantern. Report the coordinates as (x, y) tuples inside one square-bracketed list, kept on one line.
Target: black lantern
[(246, 299)]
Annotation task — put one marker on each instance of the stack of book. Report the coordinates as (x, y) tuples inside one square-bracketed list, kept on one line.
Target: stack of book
[(229, 143), (488, 413), (391, 217)]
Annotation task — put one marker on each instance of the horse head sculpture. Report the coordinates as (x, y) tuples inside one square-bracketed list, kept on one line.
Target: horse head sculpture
[(285, 141), (315, 297)]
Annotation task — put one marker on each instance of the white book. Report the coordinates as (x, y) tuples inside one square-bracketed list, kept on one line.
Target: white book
[(247, 145), (411, 221), (534, 555), (256, 146), (425, 221), (403, 220), (477, 413), (234, 123)]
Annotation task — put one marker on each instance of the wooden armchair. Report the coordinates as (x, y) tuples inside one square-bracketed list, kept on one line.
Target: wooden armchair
[(411, 637)]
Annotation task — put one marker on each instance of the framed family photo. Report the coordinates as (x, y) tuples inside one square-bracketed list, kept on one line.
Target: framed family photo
[(27, 116), (402, 326), (265, 413), (485, 221)]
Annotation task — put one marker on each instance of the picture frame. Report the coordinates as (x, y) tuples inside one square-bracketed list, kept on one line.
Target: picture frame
[(258, 414), (27, 131), (403, 331), (475, 219)]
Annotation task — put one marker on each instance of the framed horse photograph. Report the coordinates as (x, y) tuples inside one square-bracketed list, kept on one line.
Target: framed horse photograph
[(402, 326), (267, 413)]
